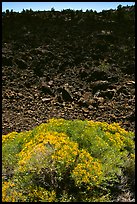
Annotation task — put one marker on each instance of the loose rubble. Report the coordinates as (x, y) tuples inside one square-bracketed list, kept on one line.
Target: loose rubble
[(67, 70)]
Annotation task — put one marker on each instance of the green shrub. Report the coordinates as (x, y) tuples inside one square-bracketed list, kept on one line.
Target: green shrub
[(64, 160), (104, 66)]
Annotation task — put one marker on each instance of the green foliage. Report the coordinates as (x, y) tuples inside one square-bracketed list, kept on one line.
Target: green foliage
[(64, 160), (104, 66)]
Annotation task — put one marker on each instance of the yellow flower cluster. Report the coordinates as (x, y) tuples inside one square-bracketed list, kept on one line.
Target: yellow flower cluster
[(56, 122), (96, 123), (88, 170), (47, 147), (114, 127), (114, 134), (40, 194), (10, 136), (114, 139), (9, 193), (56, 149), (66, 152)]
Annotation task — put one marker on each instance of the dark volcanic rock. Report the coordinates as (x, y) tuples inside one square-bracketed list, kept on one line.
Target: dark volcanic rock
[(7, 61), (66, 95), (109, 93), (78, 68), (99, 85), (97, 75), (46, 89), (129, 69), (21, 64)]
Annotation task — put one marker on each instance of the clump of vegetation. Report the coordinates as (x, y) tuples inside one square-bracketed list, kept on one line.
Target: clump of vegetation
[(104, 66), (64, 160)]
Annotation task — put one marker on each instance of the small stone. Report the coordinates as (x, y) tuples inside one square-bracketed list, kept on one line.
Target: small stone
[(101, 107), (36, 94), (50, 83), (100, 99), (46, 99), (91, 101), (85, 110), (30, 111), (90, 107), (131, 82), (20, 94)]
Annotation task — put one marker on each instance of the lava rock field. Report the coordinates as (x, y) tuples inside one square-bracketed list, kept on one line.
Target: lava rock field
[(68, 64)]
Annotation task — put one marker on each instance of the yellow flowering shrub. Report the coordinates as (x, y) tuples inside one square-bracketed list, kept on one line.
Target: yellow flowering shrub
[(39, 194), (64, 160), (10, 194), (87, 170), (10, 136)]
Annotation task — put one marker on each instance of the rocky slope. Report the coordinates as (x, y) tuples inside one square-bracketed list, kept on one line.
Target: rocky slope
[(69, 64)]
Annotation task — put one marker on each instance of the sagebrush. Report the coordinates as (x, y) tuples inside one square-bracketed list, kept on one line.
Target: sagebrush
[(64, 160)]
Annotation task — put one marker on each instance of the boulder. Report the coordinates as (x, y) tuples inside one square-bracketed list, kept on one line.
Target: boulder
[(97, 74), (66, 95), (99, 85)]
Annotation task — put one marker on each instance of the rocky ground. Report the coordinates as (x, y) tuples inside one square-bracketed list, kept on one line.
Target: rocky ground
[(70, 69), (71, 65)]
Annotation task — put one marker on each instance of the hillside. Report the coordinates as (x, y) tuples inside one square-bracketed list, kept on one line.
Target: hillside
[(68, 64)]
